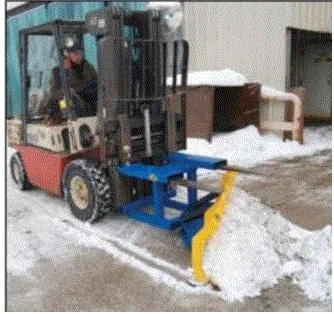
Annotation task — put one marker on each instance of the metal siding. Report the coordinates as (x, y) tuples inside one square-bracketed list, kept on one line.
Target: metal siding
[(315, 16), (249, 37)]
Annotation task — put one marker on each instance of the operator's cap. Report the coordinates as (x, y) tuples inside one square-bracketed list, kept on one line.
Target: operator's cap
[(72, 44)]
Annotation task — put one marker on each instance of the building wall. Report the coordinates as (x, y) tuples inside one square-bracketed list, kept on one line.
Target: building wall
[(249, 38)]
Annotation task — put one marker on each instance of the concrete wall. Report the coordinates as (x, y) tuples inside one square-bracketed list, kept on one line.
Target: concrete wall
[(249, 37)]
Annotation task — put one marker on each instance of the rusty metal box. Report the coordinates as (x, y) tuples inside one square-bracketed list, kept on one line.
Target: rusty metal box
[(212, 109)]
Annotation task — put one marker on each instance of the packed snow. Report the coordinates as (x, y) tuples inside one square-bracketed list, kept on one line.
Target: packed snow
[(255, 247)]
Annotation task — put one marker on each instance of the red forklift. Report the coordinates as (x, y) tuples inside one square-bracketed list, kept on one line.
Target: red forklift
[(126, 157)]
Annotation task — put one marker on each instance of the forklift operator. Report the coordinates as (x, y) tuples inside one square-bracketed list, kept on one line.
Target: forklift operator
[(82, 81)]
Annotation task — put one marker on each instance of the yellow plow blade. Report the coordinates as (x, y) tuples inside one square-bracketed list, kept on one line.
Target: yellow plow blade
[(212, 220)]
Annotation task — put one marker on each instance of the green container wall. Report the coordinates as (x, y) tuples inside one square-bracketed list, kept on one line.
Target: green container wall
[(41, 52)]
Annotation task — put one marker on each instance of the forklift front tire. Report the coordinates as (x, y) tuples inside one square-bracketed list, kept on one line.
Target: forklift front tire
[(86, 190), (18, 173)]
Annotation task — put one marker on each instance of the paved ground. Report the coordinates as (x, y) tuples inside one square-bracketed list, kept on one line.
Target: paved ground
[(89, 279), (303, 195)]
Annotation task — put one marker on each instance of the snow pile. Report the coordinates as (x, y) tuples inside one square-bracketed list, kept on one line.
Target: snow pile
[(225, 77), (246, 147), (255, 247)]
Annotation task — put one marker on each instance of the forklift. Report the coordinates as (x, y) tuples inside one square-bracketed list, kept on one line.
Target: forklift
[(127, 157)]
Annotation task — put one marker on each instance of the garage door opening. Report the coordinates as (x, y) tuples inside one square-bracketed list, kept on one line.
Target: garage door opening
[(309, 64)]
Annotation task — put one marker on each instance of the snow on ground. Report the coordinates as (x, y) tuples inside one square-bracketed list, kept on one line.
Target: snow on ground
[(252, 250), (266, 245), (246, 147), (255, 247), (41, 226)]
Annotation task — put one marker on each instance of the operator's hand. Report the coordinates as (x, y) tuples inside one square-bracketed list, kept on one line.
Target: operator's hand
[(67, 64)]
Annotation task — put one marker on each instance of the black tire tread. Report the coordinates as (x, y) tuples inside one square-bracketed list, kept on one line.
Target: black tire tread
[(25, 183), (100, 185)]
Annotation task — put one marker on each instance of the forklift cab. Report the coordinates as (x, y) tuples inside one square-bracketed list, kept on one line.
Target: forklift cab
[(135, 118), (41, 52)]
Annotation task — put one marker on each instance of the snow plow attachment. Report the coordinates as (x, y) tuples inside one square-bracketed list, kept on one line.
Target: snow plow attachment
[(199, 217), (211, 223)]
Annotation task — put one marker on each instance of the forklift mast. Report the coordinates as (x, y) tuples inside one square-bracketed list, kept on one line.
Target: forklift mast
[(135, 167), (136, 118)]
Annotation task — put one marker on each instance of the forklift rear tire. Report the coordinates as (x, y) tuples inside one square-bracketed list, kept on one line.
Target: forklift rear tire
[(18, 173), (86, 190)]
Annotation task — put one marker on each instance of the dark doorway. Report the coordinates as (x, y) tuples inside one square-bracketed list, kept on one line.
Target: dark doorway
[(309, 64)]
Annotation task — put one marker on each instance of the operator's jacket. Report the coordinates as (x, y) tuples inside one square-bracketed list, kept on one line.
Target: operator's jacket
[(82, 81)]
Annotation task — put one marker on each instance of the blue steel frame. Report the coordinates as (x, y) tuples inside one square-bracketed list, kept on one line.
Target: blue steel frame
[(175, 165)]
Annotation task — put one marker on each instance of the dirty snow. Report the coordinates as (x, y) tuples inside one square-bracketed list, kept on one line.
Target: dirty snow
[(255, 247), (247, 147)]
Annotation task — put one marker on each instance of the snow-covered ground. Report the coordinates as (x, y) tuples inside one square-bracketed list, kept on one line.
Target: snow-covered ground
[(252, 250), (256, 246)]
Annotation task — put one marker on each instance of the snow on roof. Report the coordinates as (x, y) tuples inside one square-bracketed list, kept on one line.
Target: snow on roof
[(228, 77), (225, 77)]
